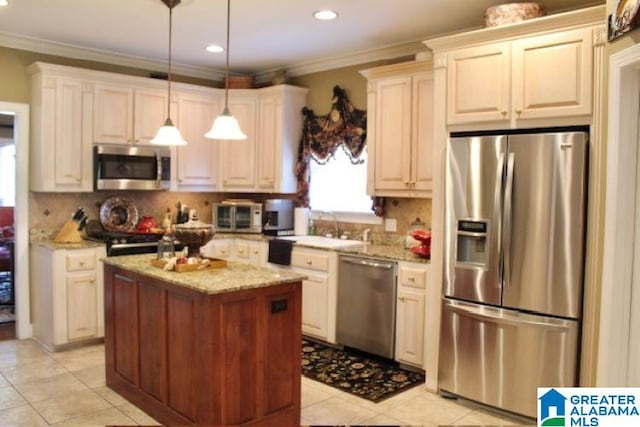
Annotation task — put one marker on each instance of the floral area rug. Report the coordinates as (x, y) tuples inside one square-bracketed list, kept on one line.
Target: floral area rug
[(357, 373)]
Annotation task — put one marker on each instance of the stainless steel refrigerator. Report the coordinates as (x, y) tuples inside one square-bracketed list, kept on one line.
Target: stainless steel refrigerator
[(514, 263)]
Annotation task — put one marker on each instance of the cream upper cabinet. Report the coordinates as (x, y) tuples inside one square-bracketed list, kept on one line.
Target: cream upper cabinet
[(552, 75), (279, 130), (540, 77), (400, 129), (149, 113), (238, 158), (197, 162), (128, 115), (479, 84), (61, 157), (113, 114)]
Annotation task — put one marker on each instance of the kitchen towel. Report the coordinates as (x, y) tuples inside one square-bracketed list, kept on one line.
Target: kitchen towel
[(301, 221), (280, 251)]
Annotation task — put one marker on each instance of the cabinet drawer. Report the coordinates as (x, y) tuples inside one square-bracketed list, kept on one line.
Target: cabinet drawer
[(412, 277), (310, 260), (81, 261), (242, 250)]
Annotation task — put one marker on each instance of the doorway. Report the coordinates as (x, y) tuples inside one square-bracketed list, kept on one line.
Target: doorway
[(19, 114), (7, 229), (618, 364)]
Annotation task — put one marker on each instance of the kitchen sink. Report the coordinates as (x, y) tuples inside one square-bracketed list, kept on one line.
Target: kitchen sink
[(324, 242)]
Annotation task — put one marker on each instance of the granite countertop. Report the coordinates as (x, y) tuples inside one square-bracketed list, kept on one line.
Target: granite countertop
[(236, 277), (394, 253), (55, 245), (391, 252)]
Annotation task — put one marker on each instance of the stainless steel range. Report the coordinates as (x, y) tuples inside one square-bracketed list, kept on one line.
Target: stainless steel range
[(124, 243)]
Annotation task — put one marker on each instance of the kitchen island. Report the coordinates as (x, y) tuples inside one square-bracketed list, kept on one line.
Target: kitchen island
[(211, 347)]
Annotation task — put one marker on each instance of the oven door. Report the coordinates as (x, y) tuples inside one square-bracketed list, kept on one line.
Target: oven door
[(223, 217), (131, 168), (248, 219)]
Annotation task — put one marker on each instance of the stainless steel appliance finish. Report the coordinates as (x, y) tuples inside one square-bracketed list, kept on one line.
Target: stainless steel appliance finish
[(514, 255), (131, 168), (237, 216), (278, 215), (366, 311)]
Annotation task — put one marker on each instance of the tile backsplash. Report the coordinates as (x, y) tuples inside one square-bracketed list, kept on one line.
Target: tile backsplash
[(49, 211)]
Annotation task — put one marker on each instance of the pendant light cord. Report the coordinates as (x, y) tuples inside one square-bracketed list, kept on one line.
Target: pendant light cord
[(226, 80), (169, 73)]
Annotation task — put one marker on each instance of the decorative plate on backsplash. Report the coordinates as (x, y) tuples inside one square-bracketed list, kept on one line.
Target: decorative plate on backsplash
[(118, 214)]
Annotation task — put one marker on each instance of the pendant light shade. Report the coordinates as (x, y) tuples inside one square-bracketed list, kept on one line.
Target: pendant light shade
[(169, 134), (225, 125)]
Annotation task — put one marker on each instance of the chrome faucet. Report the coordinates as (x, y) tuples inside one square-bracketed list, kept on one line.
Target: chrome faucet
[(335, 222)]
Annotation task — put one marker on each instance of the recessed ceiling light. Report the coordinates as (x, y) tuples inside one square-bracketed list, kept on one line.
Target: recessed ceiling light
[(325, 15), (4, 3), (212, 48)]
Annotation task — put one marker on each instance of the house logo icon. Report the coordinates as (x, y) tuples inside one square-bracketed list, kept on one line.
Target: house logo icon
[(552, 409)]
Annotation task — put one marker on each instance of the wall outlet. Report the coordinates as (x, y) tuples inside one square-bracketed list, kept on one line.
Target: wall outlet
[(390, 224)]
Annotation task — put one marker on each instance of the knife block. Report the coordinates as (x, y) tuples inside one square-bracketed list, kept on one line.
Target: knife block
[(69, 233)]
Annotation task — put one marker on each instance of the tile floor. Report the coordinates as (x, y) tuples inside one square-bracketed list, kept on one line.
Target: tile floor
[(40, 388)]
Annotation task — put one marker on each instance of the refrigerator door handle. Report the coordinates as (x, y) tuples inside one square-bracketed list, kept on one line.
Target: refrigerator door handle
[(496, 208), (508, 216), (488, 314)]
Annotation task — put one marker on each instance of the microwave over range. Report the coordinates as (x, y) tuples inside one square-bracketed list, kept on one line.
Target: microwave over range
[(131, 168), (237, 216)]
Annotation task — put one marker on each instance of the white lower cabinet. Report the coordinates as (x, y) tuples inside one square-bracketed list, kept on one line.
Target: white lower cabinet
[(68, 295), (250, 251), (410, 314), (319, 291)]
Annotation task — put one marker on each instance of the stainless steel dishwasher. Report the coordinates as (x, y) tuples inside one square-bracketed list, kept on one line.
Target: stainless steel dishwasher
[(367, 305)]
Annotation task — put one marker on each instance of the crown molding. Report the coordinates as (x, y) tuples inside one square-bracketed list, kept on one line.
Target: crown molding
[(576, 18), (345, 60), (33, 44)]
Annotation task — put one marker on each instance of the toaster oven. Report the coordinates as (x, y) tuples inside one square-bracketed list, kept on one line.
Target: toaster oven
[(237, 216)]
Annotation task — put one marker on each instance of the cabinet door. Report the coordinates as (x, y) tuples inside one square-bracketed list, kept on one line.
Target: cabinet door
[(113, 114), (221, 248), (242, 252), (315, 300), (422, 133), (410, 327), (238, 158), (150, 112), (479, 84), (393, 134), (258, 253), (270, 131), (562, 89), (70, 162), (82, 310), (197, 162)]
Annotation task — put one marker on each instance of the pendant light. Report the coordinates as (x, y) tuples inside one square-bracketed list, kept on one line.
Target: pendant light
[(226, 126), (169, 134)]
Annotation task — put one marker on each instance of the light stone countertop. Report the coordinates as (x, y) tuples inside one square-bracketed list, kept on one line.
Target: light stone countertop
[(390, 252), (50, 244), (236, 277)]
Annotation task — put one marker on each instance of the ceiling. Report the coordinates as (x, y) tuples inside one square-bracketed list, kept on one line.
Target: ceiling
[(265, 35)]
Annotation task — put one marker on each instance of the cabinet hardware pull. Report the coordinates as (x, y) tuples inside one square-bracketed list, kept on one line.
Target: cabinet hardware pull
[(401, 299), (503, 112), (255, 252), (78, 180), (411, 279), (309, 262), (81, 263), (518, 111)]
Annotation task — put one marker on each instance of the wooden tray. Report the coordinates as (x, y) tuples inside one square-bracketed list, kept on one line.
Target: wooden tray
[(182, 268)]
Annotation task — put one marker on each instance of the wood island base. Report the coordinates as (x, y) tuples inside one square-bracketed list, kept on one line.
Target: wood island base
[(191, 358)]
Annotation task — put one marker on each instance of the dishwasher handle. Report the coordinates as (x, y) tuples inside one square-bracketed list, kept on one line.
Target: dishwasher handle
[(366, 263)]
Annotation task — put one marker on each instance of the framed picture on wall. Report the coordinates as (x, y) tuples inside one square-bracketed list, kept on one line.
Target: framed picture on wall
[(623, 19)]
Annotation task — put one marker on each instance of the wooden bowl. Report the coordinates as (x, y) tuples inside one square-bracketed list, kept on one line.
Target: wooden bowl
[(511, 13)]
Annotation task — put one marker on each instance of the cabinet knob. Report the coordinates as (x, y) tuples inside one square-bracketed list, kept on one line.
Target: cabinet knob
[(503, 112), (78, 180), (179, 179), (518, 111), (81, 263), (128, 139), (91, 281), (406, 183), (411, 279), (401, 299), (309, 262), (255, 252)]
